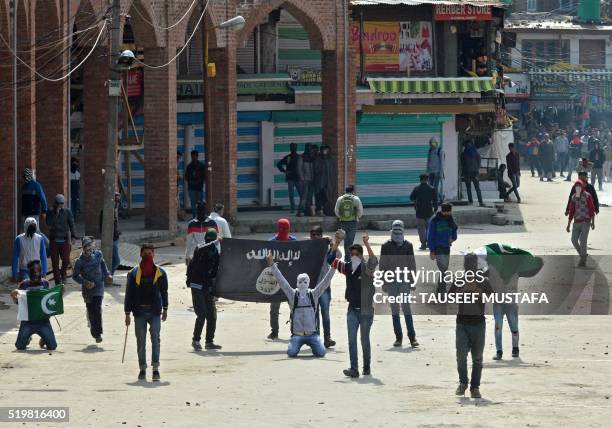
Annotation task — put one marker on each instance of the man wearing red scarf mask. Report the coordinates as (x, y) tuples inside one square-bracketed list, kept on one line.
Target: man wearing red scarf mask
[(146, 296), (283, 228)]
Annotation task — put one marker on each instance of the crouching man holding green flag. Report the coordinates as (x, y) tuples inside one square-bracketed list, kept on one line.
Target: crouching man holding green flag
[(37, 303)]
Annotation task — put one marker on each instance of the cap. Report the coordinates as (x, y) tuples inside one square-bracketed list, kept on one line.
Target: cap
[(59, 199), (87, 240)]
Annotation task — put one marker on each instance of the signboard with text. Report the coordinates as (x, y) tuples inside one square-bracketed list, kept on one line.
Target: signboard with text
[(517, 85), (454, 12), (390, 46)]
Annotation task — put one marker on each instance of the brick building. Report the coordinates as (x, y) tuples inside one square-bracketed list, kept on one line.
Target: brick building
[(48, 31)]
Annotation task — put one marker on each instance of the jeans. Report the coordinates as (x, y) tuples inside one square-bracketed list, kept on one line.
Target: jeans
[(470, 338), (292, 186), (306, 197), (580, 236), (434, 181), (397, 324), (116, 259), (510, 310), (442, 261), (94, 313), (41, 328), (206, 311), (350, 227), (534, 165), (597, 173), (472, 179), (323, 311), (274, 313), (422, 228), (74, 198), (562, 161), (314, 341), (60, 250), (140, 324), (320, 200), (195, 196), (571, 167), (515, 179), (357, 319)]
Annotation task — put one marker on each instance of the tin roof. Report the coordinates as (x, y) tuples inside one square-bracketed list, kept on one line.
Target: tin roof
[(430, 85)]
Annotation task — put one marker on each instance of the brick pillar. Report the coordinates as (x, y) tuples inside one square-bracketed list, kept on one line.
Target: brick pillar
[(160, 141), (332, 119), (95, 118), (51, 126), (7, 196), (221, 92), (26, 109)]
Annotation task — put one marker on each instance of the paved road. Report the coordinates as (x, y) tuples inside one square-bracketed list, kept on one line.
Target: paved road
[(562, 378)]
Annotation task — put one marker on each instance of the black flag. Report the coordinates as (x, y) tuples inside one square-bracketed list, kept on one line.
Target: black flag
[(242, 269)]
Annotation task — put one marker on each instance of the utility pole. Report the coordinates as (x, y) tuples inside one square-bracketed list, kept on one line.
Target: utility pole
[(110, 175), (16, 219), (207, 115)]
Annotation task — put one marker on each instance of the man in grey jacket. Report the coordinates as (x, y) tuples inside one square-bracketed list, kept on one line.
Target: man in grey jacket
[(303, 302), (61, 234)]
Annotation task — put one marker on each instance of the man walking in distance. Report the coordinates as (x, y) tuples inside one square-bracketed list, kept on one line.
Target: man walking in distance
[(196, 230), (349, 210), (441, 233), (325, 300), (582, 212), (359, 295), (194, 176), (291, 166), (397, 253), (61, 233), (435, 164), (146, 296), (513, 163), (425, 201), (201, 276)]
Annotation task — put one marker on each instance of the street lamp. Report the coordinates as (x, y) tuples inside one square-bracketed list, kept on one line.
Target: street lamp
[(209, 70)]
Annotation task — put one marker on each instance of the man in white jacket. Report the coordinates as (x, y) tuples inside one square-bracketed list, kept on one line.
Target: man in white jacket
[(28, 246)]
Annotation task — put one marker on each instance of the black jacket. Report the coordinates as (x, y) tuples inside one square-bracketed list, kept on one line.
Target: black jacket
[(425, 200), (139, 289), (194, 175), (202, 270), (291, 165)]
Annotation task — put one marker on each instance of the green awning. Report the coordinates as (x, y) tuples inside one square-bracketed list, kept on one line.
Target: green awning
[(407, 85)]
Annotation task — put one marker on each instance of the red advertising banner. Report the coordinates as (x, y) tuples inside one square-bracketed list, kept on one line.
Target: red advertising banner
[(134, 83), (453, 12)]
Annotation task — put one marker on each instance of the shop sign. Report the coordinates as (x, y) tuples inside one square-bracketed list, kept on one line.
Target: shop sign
[(517, 85), (456, 12)]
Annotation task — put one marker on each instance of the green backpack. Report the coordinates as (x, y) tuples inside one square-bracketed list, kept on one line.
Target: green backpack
[(348, 209)]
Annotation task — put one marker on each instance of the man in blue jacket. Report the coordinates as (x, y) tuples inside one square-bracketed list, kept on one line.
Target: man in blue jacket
[(91, 272), (33, 199), (146, 296), (441, 233)]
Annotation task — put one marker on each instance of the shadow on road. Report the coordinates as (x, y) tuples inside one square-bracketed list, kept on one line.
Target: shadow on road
[(146, 384)]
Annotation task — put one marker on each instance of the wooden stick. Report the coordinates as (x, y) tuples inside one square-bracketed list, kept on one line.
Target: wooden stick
[(58, 324), (124, 343)]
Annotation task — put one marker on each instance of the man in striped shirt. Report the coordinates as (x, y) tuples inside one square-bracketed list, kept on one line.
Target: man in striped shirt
[(196, 230)]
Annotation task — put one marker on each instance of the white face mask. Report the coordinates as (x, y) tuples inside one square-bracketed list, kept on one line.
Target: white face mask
[(303, 282), (355, 262)]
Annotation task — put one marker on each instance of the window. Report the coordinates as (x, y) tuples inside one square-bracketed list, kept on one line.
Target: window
[(532, 6), (566, 5), (544, 53)]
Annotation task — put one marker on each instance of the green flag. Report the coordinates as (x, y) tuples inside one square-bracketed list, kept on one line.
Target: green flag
[(36, 305), (508, 260)]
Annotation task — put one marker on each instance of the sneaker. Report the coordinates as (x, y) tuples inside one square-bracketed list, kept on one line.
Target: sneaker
[(142, 374), (518, 201), (212, 345), (582, 263), (423, 247), (398, 342), (196, 345), (541, 178), (515, 352), (413, 342), (475, 392), (329, 343), (351, 372), (273, 336), (366, 371), (156, 376), (42, 343), (498, 356), (99, 339), (461, 389)]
